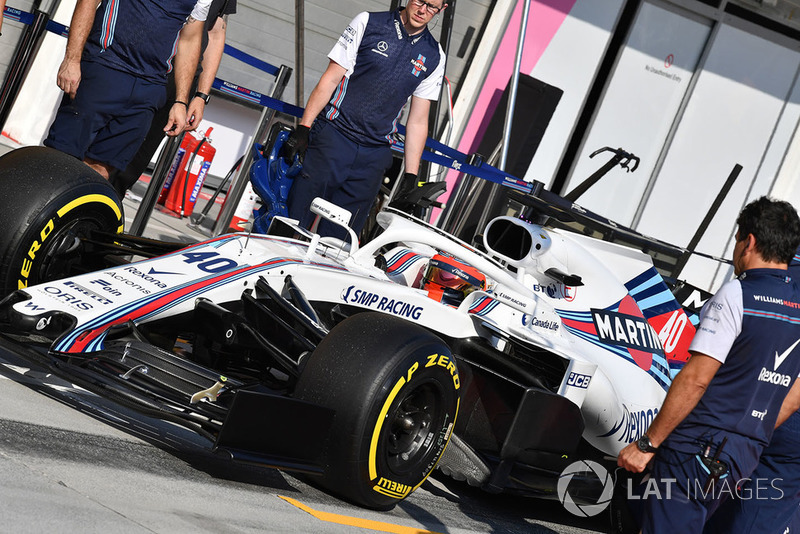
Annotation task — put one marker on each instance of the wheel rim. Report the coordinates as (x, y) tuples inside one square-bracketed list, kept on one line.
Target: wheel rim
[(61, 263), (415, 420)]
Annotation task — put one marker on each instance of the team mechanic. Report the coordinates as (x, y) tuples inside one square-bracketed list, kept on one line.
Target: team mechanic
[(114, 76), (769, 502), (722, 407), (379, 61), (214, 33)]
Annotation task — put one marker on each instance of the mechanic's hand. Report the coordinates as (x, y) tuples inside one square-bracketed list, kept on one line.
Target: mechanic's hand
[(69, 76), (632, 459), (295, 145), (409, 184), (177, 120), (195, 113), (414, 196)]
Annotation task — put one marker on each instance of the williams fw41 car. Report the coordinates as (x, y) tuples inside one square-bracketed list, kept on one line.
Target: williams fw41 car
[(364, 365)]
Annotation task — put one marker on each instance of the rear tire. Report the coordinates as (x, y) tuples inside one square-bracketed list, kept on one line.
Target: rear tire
[(394, 387), (49, 199)]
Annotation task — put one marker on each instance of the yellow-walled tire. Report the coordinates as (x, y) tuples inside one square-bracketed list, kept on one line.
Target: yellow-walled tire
[(395, 389), (49, 198)]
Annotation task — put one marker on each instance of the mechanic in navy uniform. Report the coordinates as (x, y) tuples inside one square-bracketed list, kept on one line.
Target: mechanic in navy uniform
[(768, 503), (211, 52), (114, 76), (722, 407), (379, 61)]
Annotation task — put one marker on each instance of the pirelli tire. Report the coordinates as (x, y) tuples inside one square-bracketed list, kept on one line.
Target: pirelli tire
[(49, 198), (394, 387)]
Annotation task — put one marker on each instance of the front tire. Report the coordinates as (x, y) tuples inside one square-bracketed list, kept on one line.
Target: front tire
[(50, 200), (394, 387)]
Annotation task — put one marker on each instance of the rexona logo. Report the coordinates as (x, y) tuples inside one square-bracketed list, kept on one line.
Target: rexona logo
[(146, 276), (633, 424), (774, 377), (360, 297), (584, 469), (626, 331)]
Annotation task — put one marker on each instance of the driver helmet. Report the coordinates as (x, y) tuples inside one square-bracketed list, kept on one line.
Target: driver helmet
[(449, 281)]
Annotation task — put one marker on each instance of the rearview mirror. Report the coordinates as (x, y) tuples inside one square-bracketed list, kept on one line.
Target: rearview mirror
[(331, 212), (337, 215)]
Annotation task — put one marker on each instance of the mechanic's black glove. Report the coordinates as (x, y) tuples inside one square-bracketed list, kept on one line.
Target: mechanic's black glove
[(295, 145), (414, 196), (407, 185)]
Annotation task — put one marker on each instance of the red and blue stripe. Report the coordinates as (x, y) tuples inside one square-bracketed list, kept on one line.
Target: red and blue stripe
[(109, 23), (483, 306), (337, 99), (402, 261)]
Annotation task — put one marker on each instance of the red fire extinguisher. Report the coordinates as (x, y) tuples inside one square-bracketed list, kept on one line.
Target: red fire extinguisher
[(187, 174), (188, 144)]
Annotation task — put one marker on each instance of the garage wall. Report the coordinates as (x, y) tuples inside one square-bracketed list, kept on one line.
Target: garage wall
[(35, 106), (741, 111), (265, 29), (564, 44), (11, 34)]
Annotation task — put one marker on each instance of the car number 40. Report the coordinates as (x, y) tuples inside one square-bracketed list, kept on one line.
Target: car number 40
[(210, 262)]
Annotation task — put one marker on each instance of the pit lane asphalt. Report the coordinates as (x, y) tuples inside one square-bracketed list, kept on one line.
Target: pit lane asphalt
[(71, 461)]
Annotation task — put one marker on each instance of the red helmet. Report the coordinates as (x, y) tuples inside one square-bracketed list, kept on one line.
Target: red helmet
[(449, 281)]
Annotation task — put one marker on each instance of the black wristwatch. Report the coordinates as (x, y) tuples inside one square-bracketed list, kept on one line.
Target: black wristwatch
[(645, 445), (204, 96)]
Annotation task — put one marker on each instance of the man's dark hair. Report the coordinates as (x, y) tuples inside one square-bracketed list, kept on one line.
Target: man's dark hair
[(775, 225)]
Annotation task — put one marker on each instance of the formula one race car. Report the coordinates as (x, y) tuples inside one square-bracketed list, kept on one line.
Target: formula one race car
[(356, 363)]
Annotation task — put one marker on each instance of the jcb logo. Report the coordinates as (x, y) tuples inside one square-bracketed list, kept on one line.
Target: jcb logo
[(578, 380)]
